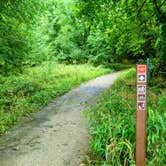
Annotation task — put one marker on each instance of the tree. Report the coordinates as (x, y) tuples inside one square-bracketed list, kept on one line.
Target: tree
[(130, 29), (17, 20)]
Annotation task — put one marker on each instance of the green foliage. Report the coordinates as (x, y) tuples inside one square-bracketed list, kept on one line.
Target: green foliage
[(117, 66), (22, 94), (69, 41), (16, 22), (112, 125), (78, 31), (118, 29)]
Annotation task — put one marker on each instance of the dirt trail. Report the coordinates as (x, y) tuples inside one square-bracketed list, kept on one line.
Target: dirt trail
[(57, 135)]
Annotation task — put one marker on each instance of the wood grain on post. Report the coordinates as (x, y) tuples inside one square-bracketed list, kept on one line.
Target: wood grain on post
[(140, 138)]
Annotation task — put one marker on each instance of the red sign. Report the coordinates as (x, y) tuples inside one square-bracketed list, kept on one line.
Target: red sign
[(141, 69)]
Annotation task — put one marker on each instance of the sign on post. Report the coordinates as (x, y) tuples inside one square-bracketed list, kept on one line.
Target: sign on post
[(141, 115)]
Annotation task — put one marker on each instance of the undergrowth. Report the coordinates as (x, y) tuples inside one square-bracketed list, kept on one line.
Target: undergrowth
[(112, 124), (20, 95)]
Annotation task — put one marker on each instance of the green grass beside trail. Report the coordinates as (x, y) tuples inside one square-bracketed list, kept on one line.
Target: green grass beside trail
[(22, 94), (112, 124)]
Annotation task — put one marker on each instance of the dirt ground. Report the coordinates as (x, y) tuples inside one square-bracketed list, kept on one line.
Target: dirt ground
[(58, 134)]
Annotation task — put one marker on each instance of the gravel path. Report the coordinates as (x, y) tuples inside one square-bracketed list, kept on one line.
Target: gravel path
[(58, 134)]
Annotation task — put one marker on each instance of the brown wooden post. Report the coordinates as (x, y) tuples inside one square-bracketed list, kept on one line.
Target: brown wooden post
[(141, 115)]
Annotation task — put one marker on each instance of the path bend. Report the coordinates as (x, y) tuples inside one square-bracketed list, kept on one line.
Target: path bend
[(58, 134)]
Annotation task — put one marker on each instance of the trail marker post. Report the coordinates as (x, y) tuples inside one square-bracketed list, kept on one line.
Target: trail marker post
[(141, 115)]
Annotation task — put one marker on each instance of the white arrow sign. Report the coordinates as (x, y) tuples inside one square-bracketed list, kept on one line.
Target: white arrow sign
[(142, 78)]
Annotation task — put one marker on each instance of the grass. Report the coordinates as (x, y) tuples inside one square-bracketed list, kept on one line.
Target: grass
[(117, 66), (20, 95), (112, 124)]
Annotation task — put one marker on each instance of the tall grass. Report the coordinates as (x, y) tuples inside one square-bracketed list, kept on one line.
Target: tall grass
[(22, 94), (112, 125)]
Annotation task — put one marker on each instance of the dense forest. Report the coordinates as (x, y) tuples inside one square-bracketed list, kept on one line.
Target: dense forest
[(47, 47), (81, 31)]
